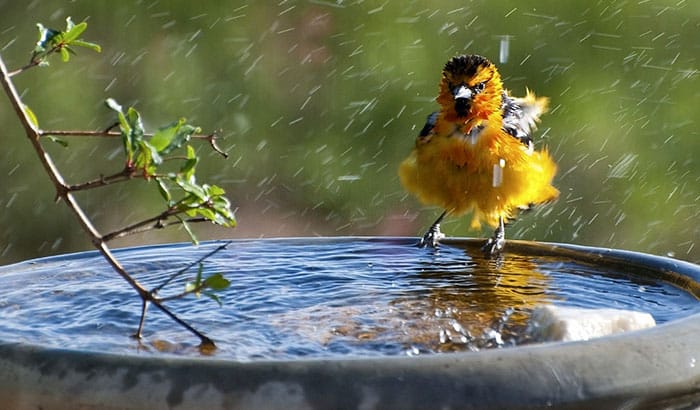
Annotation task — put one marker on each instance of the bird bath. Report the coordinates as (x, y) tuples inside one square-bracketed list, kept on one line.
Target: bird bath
[(348, 323)]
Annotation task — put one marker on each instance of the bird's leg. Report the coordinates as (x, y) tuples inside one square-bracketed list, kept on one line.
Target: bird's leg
[(433, 236), (494, 245)]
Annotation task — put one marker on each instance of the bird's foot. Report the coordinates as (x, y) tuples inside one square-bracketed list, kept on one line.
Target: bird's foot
[(495, 244), (432, 237)]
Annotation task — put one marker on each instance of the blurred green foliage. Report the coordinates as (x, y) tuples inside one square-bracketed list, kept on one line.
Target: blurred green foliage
[(320, 100)]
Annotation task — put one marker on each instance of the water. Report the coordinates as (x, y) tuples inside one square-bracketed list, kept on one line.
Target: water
[(323, 297)]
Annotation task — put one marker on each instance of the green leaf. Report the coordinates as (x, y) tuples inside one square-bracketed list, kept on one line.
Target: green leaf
[(190, 211), (134, 119), (146, 158), (164, 136), (217, 282), (126, 138), (173, 136), (163, 189), (225, 216), (214, 190), (153, 153), (31, 116), (213, 297), (200, 270), (192, 286), (124, 127), (87, 44), (206, 213), (192, 188), (132, 131), (65, 55), (221, 205), (73, 31), (188, 168), (57, 140), (193, 237), (183, 135)]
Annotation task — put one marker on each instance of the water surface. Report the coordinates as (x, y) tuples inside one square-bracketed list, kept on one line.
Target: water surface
[(315, 297)]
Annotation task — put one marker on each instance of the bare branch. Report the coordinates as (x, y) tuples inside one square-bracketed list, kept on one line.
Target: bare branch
[(159, 221), (124, 175), (108, 133), (142, 320), (63, 192), (155, 222), (204, 340), (81, 133), (24, 68)]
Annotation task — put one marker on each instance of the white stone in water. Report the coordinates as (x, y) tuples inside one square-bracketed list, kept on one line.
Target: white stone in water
[(558, 323)]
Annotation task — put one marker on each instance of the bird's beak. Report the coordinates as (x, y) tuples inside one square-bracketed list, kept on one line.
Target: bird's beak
[(462, 92), (463, 99)]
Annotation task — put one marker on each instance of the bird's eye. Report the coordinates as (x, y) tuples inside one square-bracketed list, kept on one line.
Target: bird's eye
[(479, 87)]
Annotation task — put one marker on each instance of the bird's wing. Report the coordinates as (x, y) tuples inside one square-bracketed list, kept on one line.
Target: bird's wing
[(429, 125), (520, 115)]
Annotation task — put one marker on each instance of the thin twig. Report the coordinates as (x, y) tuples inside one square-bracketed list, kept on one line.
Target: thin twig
[(108, 133), (185, 269), (142, 320), (157, 222), (213, 137), (23, 69), (124, 175), (34, 61), (81, 133), (37, 58), (205, 341), (154, 222)]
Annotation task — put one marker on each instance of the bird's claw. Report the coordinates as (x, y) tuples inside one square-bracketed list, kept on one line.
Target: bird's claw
[(432, 237), (495, 244)]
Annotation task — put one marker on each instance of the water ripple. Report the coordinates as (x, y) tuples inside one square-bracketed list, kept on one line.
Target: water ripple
[(324, 297)]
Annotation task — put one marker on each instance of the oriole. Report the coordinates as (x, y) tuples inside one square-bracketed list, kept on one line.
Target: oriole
[(476, 153)]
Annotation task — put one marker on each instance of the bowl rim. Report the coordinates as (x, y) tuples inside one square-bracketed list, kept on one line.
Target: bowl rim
[(633, 368)]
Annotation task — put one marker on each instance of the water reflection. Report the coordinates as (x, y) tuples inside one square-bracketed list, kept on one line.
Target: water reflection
[(475, 302)]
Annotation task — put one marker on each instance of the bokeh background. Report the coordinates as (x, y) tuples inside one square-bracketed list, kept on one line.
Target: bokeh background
[(319, 101)]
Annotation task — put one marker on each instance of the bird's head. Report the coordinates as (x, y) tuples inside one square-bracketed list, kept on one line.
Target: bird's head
[(470, 88)]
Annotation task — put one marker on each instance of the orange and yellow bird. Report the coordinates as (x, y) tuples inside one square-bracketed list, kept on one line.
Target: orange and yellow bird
[(476, 153)]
